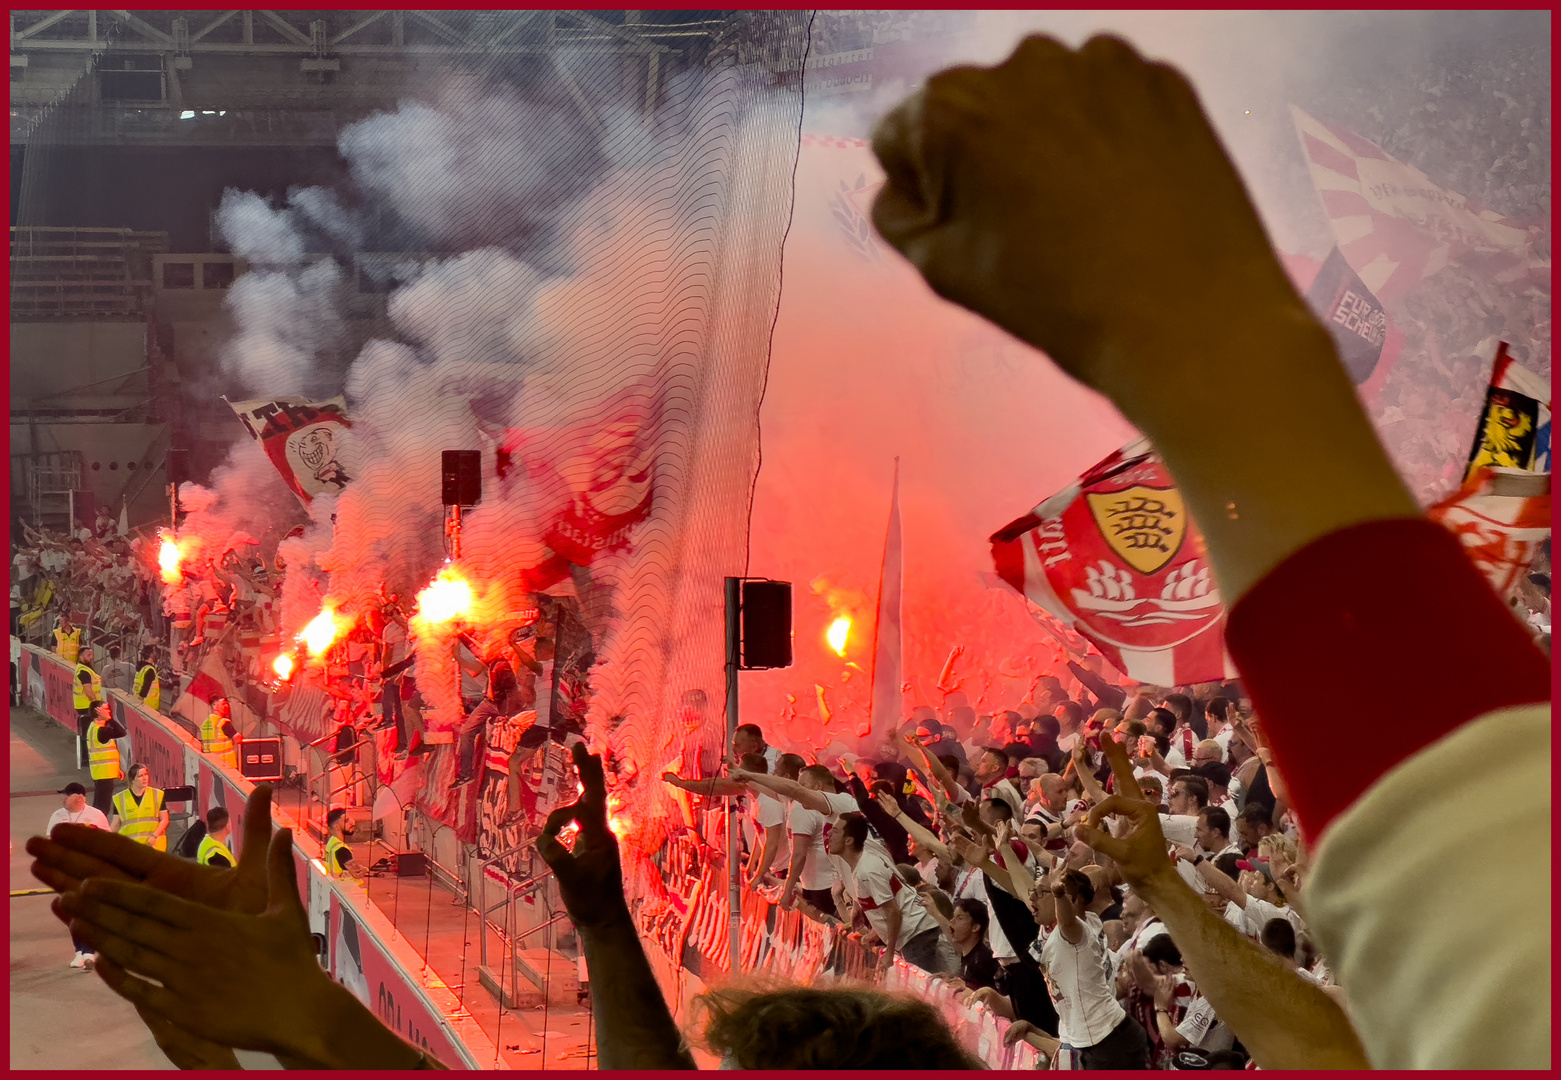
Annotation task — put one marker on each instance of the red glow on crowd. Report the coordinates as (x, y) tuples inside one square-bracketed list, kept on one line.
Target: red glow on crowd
[(283, 666), (168, 559)]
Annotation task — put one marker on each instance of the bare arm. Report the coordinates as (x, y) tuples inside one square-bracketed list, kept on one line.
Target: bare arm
[(1092, 789), (773, 839), (790, 789), (714, 786)]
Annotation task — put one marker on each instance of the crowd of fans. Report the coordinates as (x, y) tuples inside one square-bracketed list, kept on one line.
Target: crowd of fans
[(949, 851)]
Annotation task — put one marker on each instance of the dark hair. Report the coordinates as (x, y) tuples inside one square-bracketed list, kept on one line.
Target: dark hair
[(978, 913), (949, 762), (334, 816), (1214, 773), (817, 772), (1218, 706), (113, 652), (1017, 751), (1074, 711), (996, 752), (1227, 1059), (1045, 727), (1160, 721), (1279, 937), (1160, 949), (149, 653), (1217, 819), (1226, 864), (750, 730), (1196, 786), (1001, 808), (854, 825), (801, 1027), (216, 818), (1081, 885), (136, 768), (1258, 814), (754, 763), (789, 765), (1180, 706)]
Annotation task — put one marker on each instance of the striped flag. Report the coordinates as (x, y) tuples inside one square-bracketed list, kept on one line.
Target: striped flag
[(1116, 558), (1396, 227), (888, 643)]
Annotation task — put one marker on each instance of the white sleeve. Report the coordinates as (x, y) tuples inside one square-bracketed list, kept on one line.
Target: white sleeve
[(1432, 965), (768, 812)]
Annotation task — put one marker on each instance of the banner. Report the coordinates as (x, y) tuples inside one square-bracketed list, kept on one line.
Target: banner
[(309, 442), (1500, 533), (888, 644), (1115, 558), (1395, 227), (1514, 428), (1354, 317)]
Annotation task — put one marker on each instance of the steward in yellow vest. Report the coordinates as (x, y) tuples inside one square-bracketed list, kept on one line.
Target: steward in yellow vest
[(103, 756), (217, 734), (147, 686), (67, 641), (88, 686), (139, 812), (214, 849), (338, 856)]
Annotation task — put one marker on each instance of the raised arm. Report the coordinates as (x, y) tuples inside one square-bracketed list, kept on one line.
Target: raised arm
[(790, 789), (925, 838), (715, 785)]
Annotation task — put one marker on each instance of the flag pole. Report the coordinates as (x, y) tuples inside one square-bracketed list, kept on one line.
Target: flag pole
[(733, 660)]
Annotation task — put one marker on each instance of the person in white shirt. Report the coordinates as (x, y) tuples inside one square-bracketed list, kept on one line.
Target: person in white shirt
[(766, 826), (891, 906), (1076, 962), (77, 812), (1213, 833)]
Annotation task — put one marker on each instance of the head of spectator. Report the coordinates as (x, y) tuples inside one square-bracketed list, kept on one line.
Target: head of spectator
[(990, 765), (1254, 823), (951, 763), (993, 811), (1160, 721), (1180, 706), (64, 624), (1187, 795), (848, 837), (1054, 792), (221, 707), (148, 654), (753, 763), (788, 766), (1032, 767), (1077, 889), (138, 776), (1257, 878), (1135, 912), (1217, 776), (113, 653), (75, 797), (816, 778), (1101, 882), (1070, 717), (1163, 955), (747, 739), (836, 1029), (1276, 845), (1212, 830), (1205, 751), (968, 925), (218, 823), (1217, 714), (1278, 937)]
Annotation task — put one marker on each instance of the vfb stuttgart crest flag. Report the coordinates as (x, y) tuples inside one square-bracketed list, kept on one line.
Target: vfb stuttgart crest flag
[(1115, 557)]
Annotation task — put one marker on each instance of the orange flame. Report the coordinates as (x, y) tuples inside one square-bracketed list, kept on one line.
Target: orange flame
[(837, 633), (283, 666), (168, 557), (323, 629), (449, 596)]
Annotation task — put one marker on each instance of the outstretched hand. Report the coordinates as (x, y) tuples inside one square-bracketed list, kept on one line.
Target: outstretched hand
[(590, 879), (1140, 853), (76, 853)]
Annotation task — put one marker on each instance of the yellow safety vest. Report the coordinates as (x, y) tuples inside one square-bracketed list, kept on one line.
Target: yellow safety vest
[(139, 820), (214, 742), (103, 757), (210, 847), (68, 645), (82, 701), (332, 846), (153, 696)]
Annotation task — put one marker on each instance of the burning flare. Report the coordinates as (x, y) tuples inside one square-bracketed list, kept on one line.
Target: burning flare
[(323, 629), (168, 557), (837, 633), (283, 666), (448, 597)]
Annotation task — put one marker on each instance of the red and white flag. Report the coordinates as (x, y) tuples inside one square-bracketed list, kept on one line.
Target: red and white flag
[(309, 442), (1501, 534), (1116, 558), (1396, 227), (888, 634)]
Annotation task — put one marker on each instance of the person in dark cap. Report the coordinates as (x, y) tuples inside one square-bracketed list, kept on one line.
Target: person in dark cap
[(77, 812)]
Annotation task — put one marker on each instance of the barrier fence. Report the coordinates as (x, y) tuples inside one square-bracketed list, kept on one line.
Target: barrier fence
[(364, 952)]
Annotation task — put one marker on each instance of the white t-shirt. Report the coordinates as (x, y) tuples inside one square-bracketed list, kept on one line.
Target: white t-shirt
[(1079, 976), (763, 812), (1257, 914), (874, 886), (1180, 829), (1203, 1029), (806, 829), (87, 815), (1150, 928)]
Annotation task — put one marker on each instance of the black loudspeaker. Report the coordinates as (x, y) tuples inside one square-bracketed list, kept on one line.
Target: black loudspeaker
[(766, 624), (260, 759), (461, 477)]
